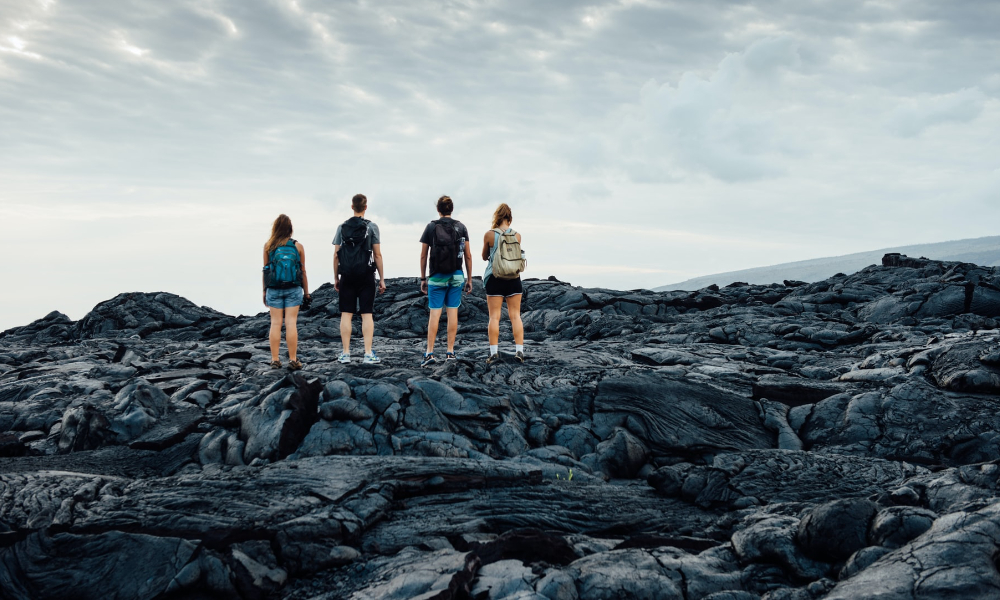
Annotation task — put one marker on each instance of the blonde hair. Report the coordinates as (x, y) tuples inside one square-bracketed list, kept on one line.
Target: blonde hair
[(281, 232), (502, 214)]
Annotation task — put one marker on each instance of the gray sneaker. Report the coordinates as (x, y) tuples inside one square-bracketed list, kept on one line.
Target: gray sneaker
[(493, 359), (371, 358), (344, 358)]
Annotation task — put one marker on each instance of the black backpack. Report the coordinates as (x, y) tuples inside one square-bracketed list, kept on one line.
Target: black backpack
[(355, 252), (444, 247)]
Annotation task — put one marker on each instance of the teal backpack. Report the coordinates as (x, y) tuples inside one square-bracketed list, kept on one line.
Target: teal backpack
[(284, 267)]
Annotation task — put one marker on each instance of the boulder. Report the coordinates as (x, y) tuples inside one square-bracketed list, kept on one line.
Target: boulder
[(833, 531)]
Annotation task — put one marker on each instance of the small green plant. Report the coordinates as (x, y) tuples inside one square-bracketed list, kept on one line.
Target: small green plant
[(570, 478)]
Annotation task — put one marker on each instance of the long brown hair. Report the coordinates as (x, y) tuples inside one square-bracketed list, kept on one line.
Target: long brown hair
[(281, 232), (502, 214)]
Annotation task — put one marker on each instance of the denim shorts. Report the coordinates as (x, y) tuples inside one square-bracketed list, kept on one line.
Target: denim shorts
[(284, 298)]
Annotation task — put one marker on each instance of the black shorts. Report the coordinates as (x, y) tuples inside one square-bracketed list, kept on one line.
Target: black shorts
[(358, 291), (503, 287)]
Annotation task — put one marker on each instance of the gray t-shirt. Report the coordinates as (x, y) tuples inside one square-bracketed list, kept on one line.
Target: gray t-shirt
[(338, 238)]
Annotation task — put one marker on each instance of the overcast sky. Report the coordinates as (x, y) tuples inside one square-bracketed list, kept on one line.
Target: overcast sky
[(148, 145)]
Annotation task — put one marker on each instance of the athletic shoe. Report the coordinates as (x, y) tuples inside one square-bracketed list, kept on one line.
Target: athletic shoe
[(294, 365), (344, 358), (276, 364), (428, 360), (449, 356), (519, 356), (371, 358), (493, 359)]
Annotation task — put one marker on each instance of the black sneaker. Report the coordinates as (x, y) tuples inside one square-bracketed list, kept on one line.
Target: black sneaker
[(428, 360), (519, 356), (493, 359)]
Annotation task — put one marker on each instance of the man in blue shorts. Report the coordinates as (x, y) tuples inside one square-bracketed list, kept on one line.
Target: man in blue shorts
[(445, 243)]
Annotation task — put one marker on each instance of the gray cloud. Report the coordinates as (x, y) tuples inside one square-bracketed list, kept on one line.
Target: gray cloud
[(915, 115), (833, 126), (704, 125)]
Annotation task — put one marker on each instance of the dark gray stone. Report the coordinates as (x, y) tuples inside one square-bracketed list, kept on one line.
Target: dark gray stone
[(779, 429), (834, 531)]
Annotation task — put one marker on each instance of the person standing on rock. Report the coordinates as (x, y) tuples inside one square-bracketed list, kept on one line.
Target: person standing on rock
[(357, 255), (502, 280), (285, 288), (444, 244)]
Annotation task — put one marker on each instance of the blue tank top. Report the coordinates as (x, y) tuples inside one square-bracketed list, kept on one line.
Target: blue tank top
[(493, 249)]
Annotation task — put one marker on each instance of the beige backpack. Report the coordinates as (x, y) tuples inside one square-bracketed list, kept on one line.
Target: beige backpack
[(508, 258)]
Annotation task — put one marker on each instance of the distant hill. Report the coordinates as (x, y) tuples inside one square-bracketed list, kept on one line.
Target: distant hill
[(982, 251)]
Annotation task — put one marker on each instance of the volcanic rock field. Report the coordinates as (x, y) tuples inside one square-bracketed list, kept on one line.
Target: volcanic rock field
[(793, 441)]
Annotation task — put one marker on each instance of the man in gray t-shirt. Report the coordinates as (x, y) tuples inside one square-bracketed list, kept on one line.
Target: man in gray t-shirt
[(338, 238), (362, 253)]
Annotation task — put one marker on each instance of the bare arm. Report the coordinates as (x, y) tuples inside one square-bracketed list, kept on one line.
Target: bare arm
[(487, 244), (302, 261), (377, 255), (468, 267), (423, 267), (264, 277), (336, 267)]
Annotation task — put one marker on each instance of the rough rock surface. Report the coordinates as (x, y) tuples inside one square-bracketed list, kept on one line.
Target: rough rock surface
[(791, 441)]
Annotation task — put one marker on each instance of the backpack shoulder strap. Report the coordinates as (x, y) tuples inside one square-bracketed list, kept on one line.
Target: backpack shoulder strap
[(497, 238)]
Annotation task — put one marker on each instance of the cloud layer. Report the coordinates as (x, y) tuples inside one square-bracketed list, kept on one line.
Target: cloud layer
[(721, 134)]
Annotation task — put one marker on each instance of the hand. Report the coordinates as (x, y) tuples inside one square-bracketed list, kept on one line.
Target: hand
[(423, 287), (336, 283), (468, 286), (381, 286)]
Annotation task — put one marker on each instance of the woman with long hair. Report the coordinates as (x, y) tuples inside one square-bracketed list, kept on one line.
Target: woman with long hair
[(500, 289), (285, 288)]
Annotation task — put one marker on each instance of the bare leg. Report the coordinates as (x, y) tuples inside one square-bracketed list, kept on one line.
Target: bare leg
[(367, 330), (452, 328), (292, 331), (432, 329), (345, 331), (514, 312), (274, 335), (495, 304)]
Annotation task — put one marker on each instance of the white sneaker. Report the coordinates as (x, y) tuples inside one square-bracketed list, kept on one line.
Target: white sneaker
[(344, 358), (372, 359)]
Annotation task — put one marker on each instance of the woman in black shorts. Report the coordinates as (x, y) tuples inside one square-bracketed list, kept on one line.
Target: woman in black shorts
[(500, 290)]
